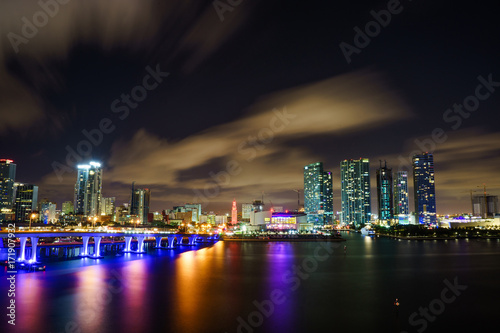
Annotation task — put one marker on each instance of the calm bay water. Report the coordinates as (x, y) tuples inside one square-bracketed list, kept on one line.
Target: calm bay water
[(266, 287)]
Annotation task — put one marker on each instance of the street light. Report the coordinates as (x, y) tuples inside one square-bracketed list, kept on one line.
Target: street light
[(32, 216), (95, 219)]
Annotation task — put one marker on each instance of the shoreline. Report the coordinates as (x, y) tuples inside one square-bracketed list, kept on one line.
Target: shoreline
[(283, 240), (436, 238)]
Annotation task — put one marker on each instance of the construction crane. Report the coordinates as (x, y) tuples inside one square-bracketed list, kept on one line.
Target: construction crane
[(298, 199), (485, 214)]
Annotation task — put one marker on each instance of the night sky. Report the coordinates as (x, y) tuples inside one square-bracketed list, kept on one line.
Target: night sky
[(249, 99)]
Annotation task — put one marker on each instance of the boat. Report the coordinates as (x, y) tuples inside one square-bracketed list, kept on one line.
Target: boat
[(367, 232)]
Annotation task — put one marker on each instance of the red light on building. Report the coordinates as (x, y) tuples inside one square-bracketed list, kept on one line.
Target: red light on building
[(4, 160)]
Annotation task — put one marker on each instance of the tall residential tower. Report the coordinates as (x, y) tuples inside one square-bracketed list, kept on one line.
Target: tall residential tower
[(7, 178), (384, 193), (88, 189), (423, 184), (318, 197), (355, 191)]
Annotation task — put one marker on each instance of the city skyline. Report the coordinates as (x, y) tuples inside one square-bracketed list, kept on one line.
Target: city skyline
[(186, 118)]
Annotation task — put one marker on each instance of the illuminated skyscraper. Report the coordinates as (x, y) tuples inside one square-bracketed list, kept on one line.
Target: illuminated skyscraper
[(139, 204), (318, 196), (108, 206), (234, 213), (355, 191), (384, 193), (423, 184), (401, 199), (7, 178), (88, 189), (26, 201)]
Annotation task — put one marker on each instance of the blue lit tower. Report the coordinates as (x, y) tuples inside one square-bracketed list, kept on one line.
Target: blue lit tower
[(318, 197), (355, 191), (401, 198), (88, 189), (384, 193), (423, 185)]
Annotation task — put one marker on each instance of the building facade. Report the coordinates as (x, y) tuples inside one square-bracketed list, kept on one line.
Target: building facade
[(424, 188), (7, 179), (318, 194), (139, 205), (355, 191), (384, 194), (108, 206), (26, 201), (485, 206), (88, 189), (401, 198)]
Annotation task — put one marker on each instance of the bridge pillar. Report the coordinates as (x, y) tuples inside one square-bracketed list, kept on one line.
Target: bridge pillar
[(140, 244), (34, 243), (170, 241), (97, 248), (128, 241), (22, 254), (158, 242), (192, 239), (85, 249)]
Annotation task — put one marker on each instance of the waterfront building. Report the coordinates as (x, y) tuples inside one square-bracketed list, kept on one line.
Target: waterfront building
[(401, 198), (355, 191), (424, 188), (7, 179), (26, 201), (318, 194), (88, 189), (384, 193)]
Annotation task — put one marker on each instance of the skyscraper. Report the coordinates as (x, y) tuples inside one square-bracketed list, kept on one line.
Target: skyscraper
[(384, 193), (26, 201), (139, 204), (355, 191), (318, 196), (7, 178), (423, 184), (234, 213), (88, 189), (108, 206), (401, 198)]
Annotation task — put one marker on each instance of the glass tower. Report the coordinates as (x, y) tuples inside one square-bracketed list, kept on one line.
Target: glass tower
[(318, 196), (88, 189), (26, 201), (384, 193), (7, 178), (355, 191), (139, 205), (401, 199), (423, 184)]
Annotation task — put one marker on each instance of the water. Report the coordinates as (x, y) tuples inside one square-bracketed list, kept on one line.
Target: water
[(229, 286)]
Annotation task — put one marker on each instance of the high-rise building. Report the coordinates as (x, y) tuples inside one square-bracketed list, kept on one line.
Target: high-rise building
[(246, 209), (355, 191), (234, 213), (26, 201), (401, 198), (424, 188), (7, 178), (384, 193), (67, 207), (139, 204), (108, 206), (195, 210), (485, 205), (88, 189), (318, 196)]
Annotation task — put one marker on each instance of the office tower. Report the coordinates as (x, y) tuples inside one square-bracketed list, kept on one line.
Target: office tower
[(7, 178), (26, 201), (384, 193), (195, 210), (88, 189), (139, 204), (485, 205), (318, 196), (401, 198), (246, 209), (234, 213), (424, 188), (108, 206), (67, 207), (355, 191)]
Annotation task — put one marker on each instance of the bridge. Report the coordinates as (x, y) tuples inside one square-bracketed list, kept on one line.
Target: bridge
[(173, 240)]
